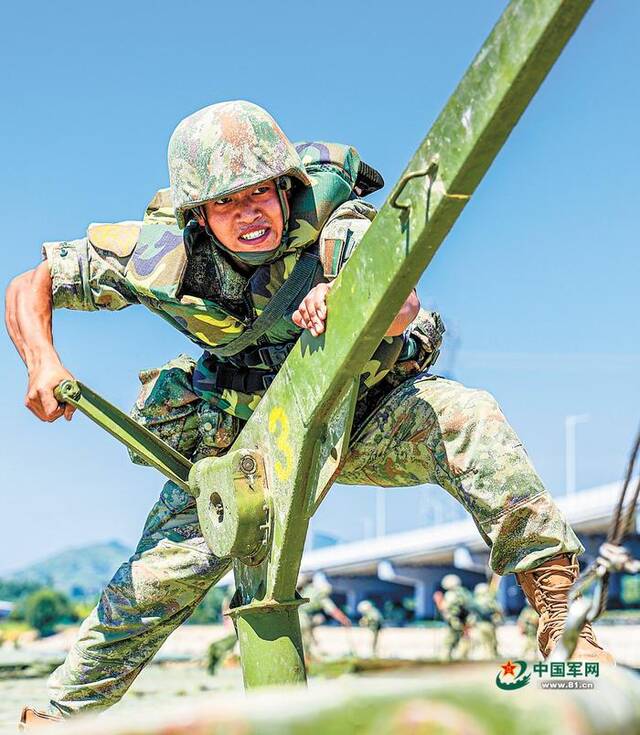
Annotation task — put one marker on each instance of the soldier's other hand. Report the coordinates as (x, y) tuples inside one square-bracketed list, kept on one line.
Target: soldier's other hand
[(40, 399), (312, 312)]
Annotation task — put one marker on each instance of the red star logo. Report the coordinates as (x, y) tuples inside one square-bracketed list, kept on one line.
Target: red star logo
[(508, 669)]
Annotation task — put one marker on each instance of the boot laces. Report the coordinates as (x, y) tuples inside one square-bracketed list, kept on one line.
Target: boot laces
[(556, 595), (553, 596)]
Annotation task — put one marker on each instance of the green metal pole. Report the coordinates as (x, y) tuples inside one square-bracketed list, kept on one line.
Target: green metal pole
[(301, 428), (272, 633), (135, 437)]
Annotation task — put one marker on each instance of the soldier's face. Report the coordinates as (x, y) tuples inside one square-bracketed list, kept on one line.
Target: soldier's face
[(248, 221)]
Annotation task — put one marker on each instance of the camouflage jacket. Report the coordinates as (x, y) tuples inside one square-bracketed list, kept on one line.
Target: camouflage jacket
[(180, 277), (486, 609), (372, 619), (458, 604)]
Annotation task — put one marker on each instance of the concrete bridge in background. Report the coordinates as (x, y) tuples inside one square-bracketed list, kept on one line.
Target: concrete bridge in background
[(412, 563)]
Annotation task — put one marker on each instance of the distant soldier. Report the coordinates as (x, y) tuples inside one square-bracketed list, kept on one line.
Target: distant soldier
[(224, 651), (371, 617), (487, 614), (528, 626), (455, 606), (316, 611)]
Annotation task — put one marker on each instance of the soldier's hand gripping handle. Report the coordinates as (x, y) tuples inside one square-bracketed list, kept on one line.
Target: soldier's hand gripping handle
[(42, 394), (28, 307)]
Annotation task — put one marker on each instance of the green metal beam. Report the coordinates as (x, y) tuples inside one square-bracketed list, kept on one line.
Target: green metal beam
[(135, 437), (302, 425), (255, 502)]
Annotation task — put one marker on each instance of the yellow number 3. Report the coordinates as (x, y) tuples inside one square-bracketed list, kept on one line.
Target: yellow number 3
[(279, 426)]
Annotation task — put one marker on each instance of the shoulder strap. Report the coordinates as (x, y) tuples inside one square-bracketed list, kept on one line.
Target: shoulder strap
[(290, 290)]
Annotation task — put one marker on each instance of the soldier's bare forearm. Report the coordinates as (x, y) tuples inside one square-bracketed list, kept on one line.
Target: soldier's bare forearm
[(28, 319), (28, 316)]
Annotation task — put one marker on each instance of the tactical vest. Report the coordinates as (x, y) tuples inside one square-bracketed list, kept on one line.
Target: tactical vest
[(158, 262)]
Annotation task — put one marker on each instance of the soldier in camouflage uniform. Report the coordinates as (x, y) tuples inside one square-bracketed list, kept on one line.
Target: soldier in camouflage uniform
[(487, 615), (314, 612), (371, 618), (455, 606), (247, 211)]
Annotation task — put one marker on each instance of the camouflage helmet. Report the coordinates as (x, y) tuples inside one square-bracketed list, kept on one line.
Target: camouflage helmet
[(224, 148), (450, 582)]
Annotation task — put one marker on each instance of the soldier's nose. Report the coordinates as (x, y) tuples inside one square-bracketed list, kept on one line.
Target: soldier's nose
[(249, 214)]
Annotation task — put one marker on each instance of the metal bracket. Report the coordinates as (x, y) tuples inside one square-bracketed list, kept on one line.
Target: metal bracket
[(234, 508), (429, 172)]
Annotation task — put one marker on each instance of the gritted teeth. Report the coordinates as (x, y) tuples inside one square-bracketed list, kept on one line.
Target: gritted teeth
[(254, 235)]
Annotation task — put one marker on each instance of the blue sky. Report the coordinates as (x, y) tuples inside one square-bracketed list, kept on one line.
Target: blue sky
[(538, 281)]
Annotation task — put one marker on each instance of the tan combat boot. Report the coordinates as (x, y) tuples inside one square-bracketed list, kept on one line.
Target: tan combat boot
[(32, 719), (547, 589)]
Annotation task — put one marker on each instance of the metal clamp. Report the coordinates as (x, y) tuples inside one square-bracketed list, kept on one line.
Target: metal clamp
[(430, 172)]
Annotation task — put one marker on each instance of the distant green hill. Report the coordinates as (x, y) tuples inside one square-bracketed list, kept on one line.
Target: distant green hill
[(80, 573)]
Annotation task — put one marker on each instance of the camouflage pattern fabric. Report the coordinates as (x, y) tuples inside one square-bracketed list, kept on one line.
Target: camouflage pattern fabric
[(486, 608), (149, 596), (312, 614), (372, 620), (319, 601), (182, 278), (412, 428), (457, 606), (528, 625), (456, 644), (487, 614), (427, 430), (456, 612), (224, 148), (433, 430), (168, 406), (485, 640)]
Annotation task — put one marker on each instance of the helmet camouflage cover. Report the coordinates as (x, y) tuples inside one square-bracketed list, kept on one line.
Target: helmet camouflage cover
[(224, 148)]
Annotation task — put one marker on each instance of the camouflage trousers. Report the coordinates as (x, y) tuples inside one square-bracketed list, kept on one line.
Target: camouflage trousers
[(428, 430), (456, 643), (485, 640)]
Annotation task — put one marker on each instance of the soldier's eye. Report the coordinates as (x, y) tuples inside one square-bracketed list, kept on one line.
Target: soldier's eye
[(261, 190), (222, 201)]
